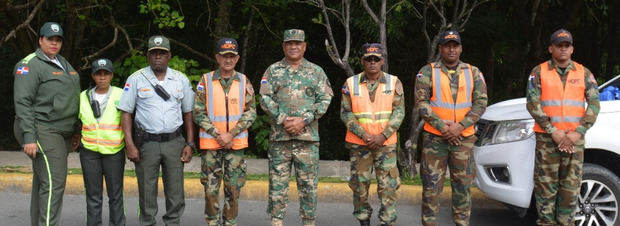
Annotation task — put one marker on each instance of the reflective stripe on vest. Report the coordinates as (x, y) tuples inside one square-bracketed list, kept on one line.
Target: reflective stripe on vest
[(375, 115), (230, 107), (443, 103), (565, 106), (105, 136)]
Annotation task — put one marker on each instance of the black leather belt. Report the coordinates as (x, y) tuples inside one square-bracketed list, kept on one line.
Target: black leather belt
[(162, 137)]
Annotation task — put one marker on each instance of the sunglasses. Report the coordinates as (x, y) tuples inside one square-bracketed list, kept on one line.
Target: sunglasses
[(372, 59)]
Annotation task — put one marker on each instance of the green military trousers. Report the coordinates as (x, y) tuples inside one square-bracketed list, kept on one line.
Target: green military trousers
[(167, 155), (383, 160), (304, 155), (437, 154), (557, 180), (229, 166), (49, 170)]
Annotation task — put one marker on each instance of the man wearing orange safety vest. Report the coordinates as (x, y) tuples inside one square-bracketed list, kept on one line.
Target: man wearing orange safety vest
[(372, 109), (450, 96), (557, 92), (224, 108)]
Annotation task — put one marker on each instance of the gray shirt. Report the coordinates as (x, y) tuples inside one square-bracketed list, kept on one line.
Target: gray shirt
[(154, 114)]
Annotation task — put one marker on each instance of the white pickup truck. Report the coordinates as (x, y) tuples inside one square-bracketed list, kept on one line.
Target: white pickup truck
[(504, 155)]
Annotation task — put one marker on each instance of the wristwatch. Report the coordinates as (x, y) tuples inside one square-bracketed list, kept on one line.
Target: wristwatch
[(191, 144)]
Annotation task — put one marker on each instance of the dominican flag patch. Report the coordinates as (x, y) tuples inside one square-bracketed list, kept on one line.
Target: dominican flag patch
[(531, 77), (201, 86), (345, 90), (263, 80), (22, 70), (126, 87)]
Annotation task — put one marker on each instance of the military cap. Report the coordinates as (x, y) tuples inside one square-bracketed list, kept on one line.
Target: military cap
[(294, 35), (102, 64), (159, 42), (50, 29), (372, 49), (450, 35), (227, 45), (560, 36)]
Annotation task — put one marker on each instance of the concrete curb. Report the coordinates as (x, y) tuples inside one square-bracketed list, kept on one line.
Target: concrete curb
[(253, 190)]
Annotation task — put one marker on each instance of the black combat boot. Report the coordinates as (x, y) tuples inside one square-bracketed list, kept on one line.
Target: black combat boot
[(365, 222)]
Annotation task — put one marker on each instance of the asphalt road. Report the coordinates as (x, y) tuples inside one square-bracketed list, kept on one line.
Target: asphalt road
[(14, 210)]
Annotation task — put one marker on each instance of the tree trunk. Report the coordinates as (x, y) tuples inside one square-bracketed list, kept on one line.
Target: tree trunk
[(222, 22), (244, 52)]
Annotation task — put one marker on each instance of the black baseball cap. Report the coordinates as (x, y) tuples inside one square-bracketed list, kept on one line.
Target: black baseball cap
[(450, 35), (561, 35), (50, 29), (372, 49), (227, 45), (102, 64)]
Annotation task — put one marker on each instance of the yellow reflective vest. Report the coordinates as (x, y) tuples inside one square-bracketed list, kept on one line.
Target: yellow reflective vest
[(105, 136)]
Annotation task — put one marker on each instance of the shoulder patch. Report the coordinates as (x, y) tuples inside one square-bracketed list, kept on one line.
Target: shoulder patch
[(419, 75), (531, 77), (399, 88), (249, 89), (22, 70)]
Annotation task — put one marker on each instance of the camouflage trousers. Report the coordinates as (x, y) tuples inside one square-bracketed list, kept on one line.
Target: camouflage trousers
[(557, 180), (383, 160), (437, 154), (230, 166), (304, 155)]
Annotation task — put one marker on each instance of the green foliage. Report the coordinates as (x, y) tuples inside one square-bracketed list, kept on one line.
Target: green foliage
[(137, 60), (165, 17), (261, 129)]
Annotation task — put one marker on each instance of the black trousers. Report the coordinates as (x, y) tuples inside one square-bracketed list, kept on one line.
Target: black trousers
[(96, 166)]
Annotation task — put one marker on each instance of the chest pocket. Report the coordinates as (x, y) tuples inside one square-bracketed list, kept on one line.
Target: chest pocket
[(146, 92)]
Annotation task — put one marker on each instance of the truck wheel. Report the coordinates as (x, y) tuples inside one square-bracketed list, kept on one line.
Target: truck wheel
[(597, 203)]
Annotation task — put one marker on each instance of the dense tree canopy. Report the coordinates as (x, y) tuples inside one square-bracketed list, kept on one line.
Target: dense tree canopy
[(505, 39)]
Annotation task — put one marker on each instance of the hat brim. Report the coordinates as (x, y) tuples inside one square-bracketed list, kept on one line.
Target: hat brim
[(372, 54), (557, 42), (228, 51), (101, 68), (294, 39), (162, 48), (52, 35), (450, 40)]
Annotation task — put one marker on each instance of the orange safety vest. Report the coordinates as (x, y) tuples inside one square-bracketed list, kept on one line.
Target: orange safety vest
[(224, 111), (443, 104), (372, 116), (565, 106)]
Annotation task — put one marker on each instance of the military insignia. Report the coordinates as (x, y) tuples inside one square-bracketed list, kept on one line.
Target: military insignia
[(345, 90), (55, 27), (73, 73), (249, 89), (263, 80), (126, 87), (234, 101), (310, 91), (57, 72), (101, 62), (482, 77), (158, 40), (531, 77), (22, 70), (399, 89), (201, 86), (419, 75), (145, 90)]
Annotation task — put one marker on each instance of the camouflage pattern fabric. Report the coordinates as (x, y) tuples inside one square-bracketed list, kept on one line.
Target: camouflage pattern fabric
[(535, 108), (304, 156), (557, 180), (436, 155), (302, 92), (423, 93), (230, 166), (383, 160)]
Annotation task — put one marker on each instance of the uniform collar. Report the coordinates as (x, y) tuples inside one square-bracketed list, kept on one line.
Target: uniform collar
[(304, 63), (552, 65), (168, 76), (217, 76), (381, 77)]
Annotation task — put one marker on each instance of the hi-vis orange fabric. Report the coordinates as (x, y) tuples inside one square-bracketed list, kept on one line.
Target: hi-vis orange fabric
[(224, 111), (565, 106), (372, 116), (443, 104)]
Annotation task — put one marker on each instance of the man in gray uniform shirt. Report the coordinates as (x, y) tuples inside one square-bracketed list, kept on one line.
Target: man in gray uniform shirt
[(163, 100)]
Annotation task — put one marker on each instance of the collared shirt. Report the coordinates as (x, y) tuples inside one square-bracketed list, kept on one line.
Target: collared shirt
[(154, 114), (535, 108), (200, 111), (398, 107), (301, 92), (424, 91)]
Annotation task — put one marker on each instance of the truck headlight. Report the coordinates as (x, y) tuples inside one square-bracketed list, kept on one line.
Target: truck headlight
[(507, 131)]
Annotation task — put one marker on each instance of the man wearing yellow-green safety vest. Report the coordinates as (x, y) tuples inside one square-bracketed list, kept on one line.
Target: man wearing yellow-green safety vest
[(102, 154)]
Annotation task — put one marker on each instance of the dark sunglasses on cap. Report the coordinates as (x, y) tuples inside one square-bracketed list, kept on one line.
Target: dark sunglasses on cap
[(372, 59)]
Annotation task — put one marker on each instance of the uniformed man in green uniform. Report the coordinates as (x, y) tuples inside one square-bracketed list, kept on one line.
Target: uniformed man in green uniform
[(162, 99), (223, 131), (46, 96), (295, 93), (560, 135), (451, 96), (372, 109), (102, 153)]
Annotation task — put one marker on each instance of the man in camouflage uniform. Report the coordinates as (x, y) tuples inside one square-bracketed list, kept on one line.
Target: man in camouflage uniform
[(222, 157), (372, 134), (560, 138), (448, 131), (295, 93)]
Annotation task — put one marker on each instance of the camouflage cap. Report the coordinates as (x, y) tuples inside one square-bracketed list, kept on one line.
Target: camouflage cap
[(561, 35), (50, 29), (227, 45), (294, 35), (372, 49), (102, 64), (159, 42), (448, 36)]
